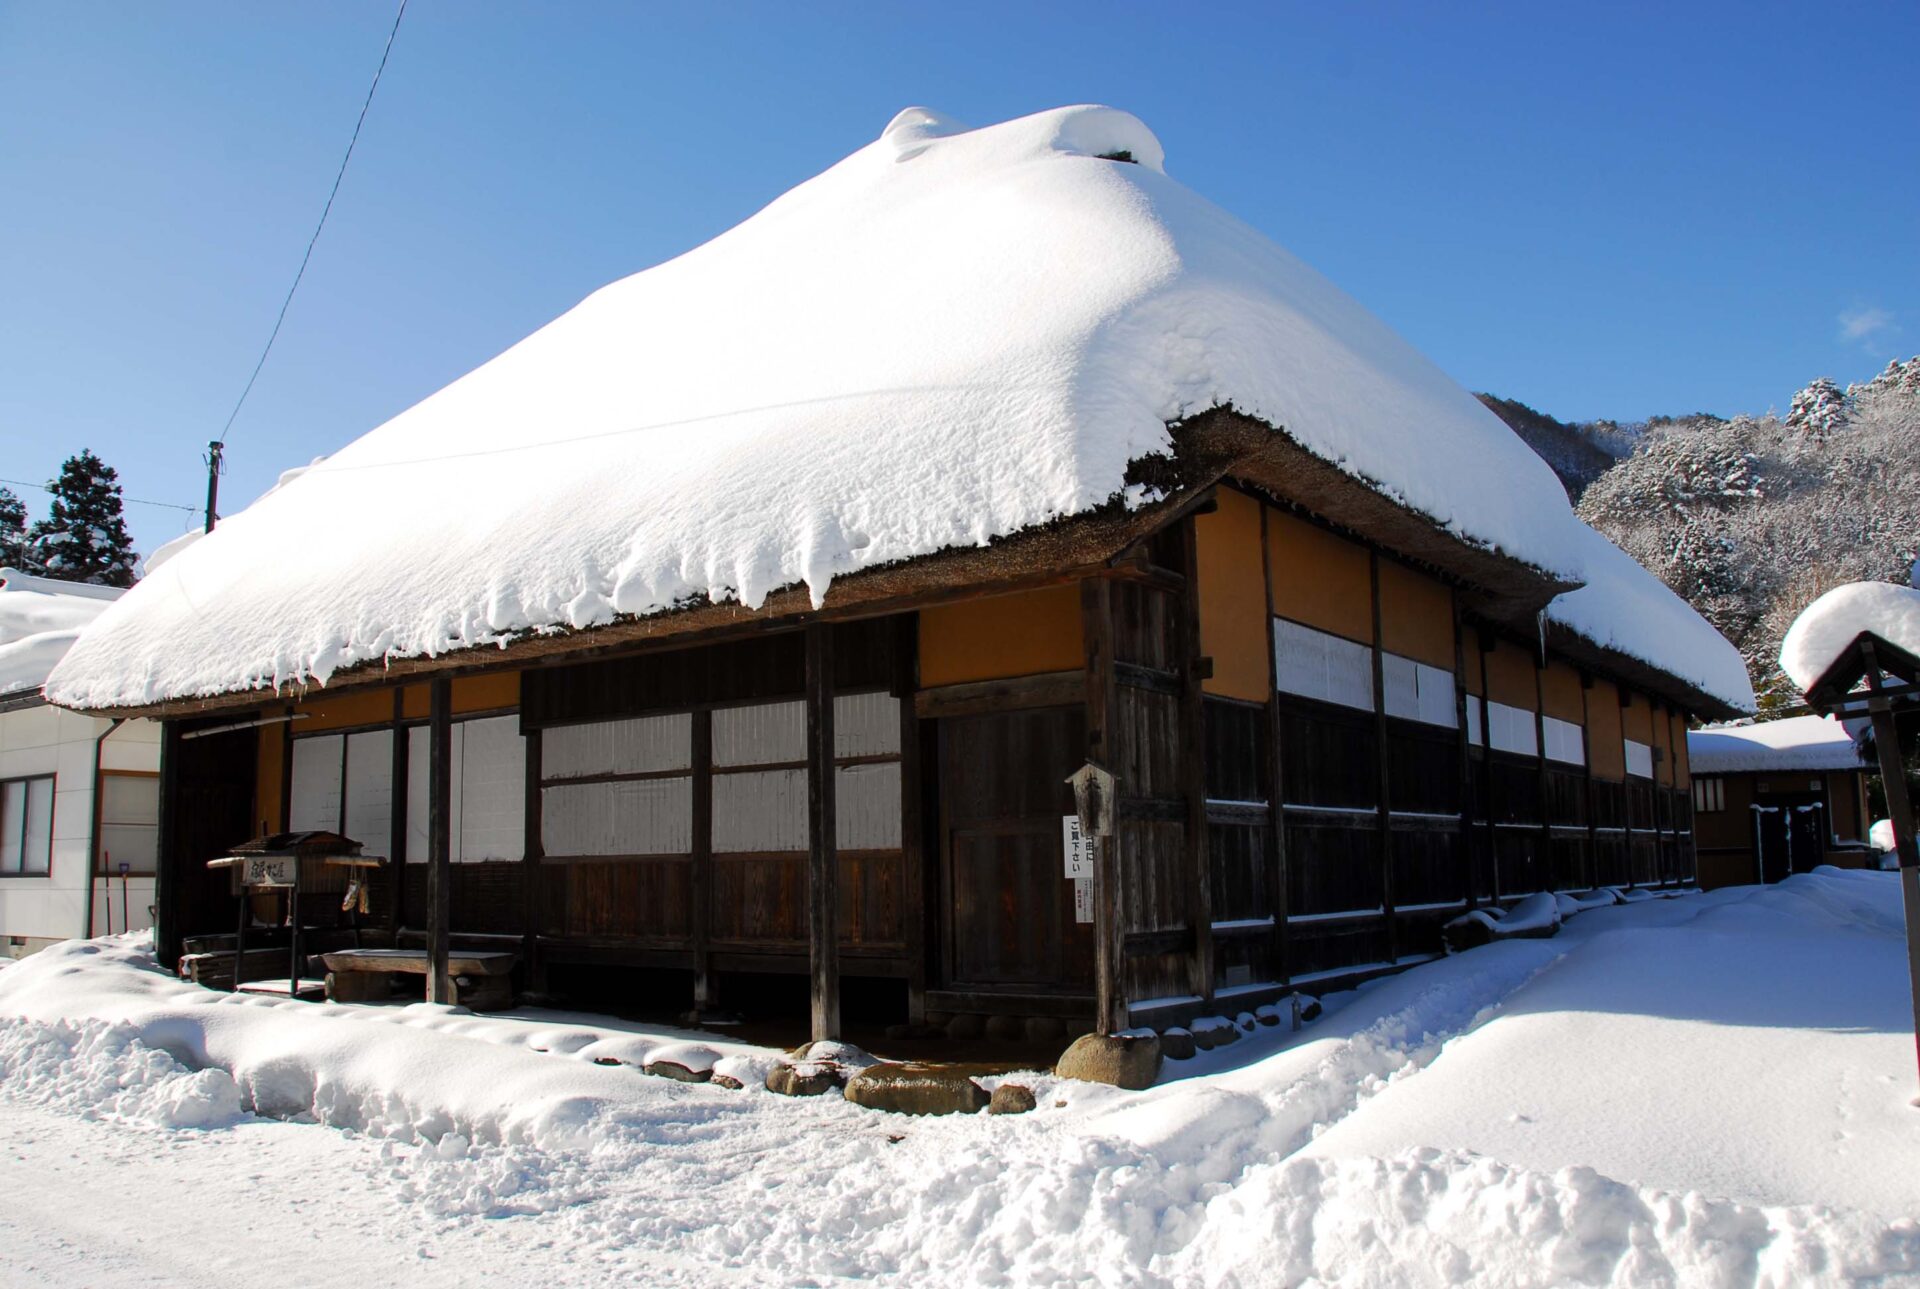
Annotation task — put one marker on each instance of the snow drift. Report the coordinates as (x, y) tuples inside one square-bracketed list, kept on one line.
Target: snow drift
[(949, 336)]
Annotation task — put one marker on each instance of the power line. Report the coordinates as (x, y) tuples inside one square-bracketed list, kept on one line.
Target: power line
[(324, 212), (132, 501)]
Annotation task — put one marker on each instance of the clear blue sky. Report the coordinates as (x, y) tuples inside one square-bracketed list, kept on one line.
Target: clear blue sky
[(1613, 211)]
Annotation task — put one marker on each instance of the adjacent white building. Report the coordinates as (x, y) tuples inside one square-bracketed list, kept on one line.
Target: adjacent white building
[(78, 794)]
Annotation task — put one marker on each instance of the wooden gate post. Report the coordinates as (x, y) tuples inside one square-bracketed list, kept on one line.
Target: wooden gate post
[(439, 837), (823, 899), (1893, 778)]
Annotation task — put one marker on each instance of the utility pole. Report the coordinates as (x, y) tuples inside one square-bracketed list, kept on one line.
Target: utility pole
[(215, 467)]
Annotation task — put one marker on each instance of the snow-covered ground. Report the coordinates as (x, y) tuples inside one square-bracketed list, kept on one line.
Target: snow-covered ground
[(1716, 1089)]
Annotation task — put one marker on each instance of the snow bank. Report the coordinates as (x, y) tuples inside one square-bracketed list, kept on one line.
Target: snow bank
[(105, 1071), (1625, 608), (1826, 627), (410, 1073), (1712, 1090), (1795, 743), (40, 618), (1881, 835), (949, 336)]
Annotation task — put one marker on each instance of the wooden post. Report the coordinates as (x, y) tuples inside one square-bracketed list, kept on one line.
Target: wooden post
[(1893, 778), (823, 900), (1540, 748), (1592, 875), (168, 857), (1460, 700), (1109, 910), (704, 993), (1382, 767), (906, 671), (532, 884), (1276, 852), (439, 838), (1485, 643), (397, 824), (1193, 725)]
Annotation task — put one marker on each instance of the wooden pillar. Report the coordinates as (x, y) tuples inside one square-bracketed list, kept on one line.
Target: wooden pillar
[(439, 838), (1893, 779), (823, 900), (1276, 852), (1540, 748), (1382, 765), (1592, 875), (168, 857), (532, 885), (704, 991), (397, 820), (1193, 772), (1485, 642), (1460, 701), (1109, 907), (913, 851)]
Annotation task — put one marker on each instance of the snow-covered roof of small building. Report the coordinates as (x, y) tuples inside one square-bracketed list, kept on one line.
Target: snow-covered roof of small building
[(1793, 743), (1826, 627), (948, 337), (39, 620)]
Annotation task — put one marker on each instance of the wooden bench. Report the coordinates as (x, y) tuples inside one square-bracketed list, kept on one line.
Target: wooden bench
[(481, 980)]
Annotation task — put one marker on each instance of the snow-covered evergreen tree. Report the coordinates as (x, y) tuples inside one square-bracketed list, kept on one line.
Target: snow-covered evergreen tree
[(84, 537), (1818, 411), (13, 531)]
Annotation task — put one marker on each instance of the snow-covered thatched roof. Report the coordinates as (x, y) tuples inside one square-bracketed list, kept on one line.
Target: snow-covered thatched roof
[(1795, 743), (40, 618), (948, 337)]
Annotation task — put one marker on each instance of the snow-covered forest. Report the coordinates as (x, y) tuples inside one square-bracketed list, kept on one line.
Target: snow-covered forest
[(1751, 517)]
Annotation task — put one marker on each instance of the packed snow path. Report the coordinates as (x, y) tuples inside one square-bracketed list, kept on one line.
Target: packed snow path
[(1709, 1090)]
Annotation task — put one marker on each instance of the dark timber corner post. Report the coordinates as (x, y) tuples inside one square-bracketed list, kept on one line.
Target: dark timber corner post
[(439, 837), (823, 897), (1109, 994), (1893, 780)]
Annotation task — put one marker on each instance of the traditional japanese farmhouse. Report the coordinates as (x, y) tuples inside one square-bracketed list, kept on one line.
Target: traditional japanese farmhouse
[(1777, 798), (79, 794), (746, 624)]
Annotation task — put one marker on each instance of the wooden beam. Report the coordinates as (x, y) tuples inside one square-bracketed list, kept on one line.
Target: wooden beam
[(1460, 700), (1109, 911), (169, 859), (978, 697), (701, 914), (439, 838), (1545, 811), (823, 902), (1275, 854), (916, 917), (1193, 770), (1382, 762), (397, 816), (532, 852)]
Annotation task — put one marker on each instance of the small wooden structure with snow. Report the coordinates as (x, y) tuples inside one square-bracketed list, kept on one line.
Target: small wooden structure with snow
[(1855, 651), (275, 863), (749, 621)]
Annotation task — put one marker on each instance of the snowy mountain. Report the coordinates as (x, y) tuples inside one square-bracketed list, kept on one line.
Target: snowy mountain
[(1751, 518)]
